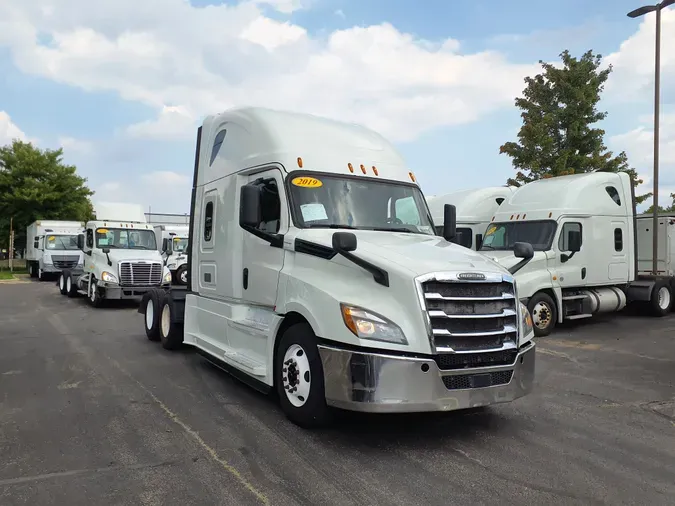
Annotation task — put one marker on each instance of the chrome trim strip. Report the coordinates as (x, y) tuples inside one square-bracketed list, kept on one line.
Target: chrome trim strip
[(504, 347), (438, 296), (508, 329), (437, 313)]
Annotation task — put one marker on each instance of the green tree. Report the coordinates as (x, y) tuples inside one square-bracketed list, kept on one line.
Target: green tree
[(559, 107), (669, 209), (36, 184)]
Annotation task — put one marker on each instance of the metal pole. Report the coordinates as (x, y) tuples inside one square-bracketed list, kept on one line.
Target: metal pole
[(657, 93), (11, 244)]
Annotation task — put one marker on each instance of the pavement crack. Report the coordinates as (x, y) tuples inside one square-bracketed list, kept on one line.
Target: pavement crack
[(78, 472)]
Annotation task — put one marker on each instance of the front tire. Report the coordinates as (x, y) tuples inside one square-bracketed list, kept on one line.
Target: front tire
[(94, 296), (62, 283), (544, 314), (181, 275), (71, 288), (299, 377), (662, 299)]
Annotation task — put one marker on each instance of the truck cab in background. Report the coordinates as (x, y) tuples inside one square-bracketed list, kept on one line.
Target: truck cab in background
[(475, 209), (315, 271), (173, 241), (121, 257), (583, 231), (51, 246)]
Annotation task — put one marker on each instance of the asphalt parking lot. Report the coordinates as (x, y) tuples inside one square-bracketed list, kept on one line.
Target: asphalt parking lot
[(91, 412)]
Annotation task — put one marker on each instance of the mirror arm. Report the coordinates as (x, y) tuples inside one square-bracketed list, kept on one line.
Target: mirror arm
[(275, 240), (380, 276), (515, 268)]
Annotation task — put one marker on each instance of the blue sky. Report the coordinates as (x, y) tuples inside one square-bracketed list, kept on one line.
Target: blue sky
[(122, 86)]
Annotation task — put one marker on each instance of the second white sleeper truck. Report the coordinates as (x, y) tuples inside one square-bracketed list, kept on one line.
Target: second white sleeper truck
[(591, 254), (305, 279), (121, 259)]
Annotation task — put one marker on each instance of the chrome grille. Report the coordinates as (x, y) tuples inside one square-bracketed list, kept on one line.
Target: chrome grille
[(65, 261), (471, 315), (140, 273)]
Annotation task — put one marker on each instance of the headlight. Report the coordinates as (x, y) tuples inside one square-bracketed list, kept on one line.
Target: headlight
[(526, 325), (167, 277), (108, 277), (367, 325)]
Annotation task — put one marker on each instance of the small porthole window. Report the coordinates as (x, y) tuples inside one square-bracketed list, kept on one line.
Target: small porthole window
[(217, 143), (618, 239), (208, 222), (614, 194)]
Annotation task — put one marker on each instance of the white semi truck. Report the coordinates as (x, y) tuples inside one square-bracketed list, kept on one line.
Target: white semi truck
[(591, 253), (172, 241), (121, 257), (475, 209), (304, 279), (51, 246)]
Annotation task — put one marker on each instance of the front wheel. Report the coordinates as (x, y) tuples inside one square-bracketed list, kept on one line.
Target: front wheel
[(299, 377), (544, 314), (94, 296), (662, 299), (62, 283), (152, 317), (181, 275)]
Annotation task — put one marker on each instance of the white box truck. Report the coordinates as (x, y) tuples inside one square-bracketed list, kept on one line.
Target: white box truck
[(121, 257), (587, 243), (475, 209), (304, 279), (51, 246), (172, 241)]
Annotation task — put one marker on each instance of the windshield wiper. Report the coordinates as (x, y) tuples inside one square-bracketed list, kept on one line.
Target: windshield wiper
[(395, 229), (484, 246), (332, 225)]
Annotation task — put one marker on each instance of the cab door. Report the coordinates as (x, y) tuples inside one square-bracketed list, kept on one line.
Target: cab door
[(572, 268)]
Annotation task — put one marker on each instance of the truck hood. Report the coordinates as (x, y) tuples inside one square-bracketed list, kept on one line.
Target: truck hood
[(121, 255), (416, 253)]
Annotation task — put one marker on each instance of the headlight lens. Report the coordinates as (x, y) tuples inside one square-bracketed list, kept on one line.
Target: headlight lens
[(368, 325), (526, 325), (167, 277), (108, 277)]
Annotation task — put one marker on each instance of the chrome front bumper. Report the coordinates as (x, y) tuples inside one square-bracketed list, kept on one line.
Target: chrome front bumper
[(379, 383), (113, 291)]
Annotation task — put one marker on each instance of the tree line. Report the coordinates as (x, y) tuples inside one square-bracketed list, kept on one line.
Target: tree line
[(559, 109)]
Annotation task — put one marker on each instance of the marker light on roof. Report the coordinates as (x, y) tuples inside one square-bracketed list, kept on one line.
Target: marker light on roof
[(511, 217), (363, 169), (550, 214), (351, 169), (524, 216), (412, 176), (300, 162), (375, 170)]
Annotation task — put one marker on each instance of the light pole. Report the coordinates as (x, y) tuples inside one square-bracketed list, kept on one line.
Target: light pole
[(641, 11)]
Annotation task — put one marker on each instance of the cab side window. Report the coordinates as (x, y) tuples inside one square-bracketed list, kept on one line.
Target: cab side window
[(563, 241)]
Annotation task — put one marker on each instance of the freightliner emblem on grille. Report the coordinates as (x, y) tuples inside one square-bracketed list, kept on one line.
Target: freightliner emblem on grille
[(472, 276)]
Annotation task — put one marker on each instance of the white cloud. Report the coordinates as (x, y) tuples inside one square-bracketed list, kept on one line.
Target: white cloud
[(166, 178), (8, 130), (639, 142), (633, 64), (173, 122), (166, 53), (72, 145)]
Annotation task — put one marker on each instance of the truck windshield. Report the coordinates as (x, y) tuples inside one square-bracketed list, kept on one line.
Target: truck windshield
[(502, 236), (61, 242), (122, 238), (179, 244), (329, 201)]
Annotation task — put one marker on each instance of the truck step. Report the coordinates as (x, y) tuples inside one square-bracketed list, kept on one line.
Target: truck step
[(574, 297), (253, 366), (578, 316)]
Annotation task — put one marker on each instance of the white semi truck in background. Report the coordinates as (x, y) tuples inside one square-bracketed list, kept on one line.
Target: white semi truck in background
[(306, 279), (475, 209), (121, 259), (51, 246), (172, 241), (591, 253)]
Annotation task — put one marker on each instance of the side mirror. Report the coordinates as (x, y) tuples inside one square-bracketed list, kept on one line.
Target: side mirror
[(522, 250), (479, 241), (574, 241), (250, 208), (80, 241), (344, 242), (449, 222), (166, 245)]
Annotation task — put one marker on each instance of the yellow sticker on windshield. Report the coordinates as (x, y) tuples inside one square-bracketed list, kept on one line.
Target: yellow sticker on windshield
[(102, 231), (51, 238), (307, 182), (490, 230)]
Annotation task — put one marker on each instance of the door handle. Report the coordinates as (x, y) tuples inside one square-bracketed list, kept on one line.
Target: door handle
[(583, 273), (245, 278)]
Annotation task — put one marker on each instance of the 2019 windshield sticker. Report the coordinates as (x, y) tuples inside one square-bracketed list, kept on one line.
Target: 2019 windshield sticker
[(307, 182), (490, 230)]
